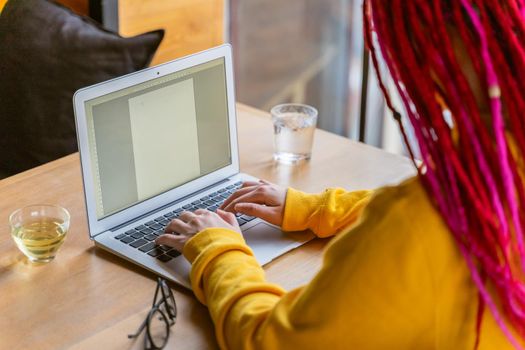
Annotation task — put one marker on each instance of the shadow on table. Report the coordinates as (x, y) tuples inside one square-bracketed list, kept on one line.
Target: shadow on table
[(189, 311), (103, 254), (285, 174), (11, 261)]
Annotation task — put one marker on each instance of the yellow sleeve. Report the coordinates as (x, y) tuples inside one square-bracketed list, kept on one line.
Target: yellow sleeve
[(374, 291), (224, 275), (325, 213)]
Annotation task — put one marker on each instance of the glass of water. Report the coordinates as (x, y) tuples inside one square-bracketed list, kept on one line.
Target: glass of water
[(294, 126)]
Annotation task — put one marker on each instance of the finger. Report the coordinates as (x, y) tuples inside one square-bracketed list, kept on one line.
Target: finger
[(236, 194), (240, 192), (249, 184), (186, 216), (257, 196), (202, 211), (270, 214), (228, 217), (173, 241), (178, 226)]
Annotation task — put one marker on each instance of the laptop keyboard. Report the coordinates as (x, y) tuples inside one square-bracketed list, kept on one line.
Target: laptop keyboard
[(143, 236)]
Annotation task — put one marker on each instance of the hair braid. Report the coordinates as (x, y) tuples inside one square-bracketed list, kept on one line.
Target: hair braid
[(476, 182)]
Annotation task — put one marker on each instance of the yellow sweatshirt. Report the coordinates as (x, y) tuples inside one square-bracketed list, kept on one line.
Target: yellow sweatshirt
[(392, 278)]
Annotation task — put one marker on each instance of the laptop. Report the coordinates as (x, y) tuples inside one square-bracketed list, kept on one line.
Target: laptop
[(160, 141)]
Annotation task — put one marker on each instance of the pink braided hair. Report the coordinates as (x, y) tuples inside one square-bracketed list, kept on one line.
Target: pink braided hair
[(475, 181)]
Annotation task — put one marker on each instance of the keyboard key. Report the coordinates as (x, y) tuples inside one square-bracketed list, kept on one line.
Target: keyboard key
[(146, 231), (141, 227), (177, 211), (164, 248), (155, 252), (187, 206), (205, 197), (222, 190), (201, 205), (230, 187), (218, 199), (137, 235), (122, 235), (209, 202), (149, 223), (164, 222), (147, 247), (158, 249), (130, 232), (213, 194), (173, 253), (127, 239), (151, 237), (170, 215), (138, 243), (225, 195), (213, 208), (238, 183), (164, 258), (159, 233), (247, 217), (156, 226), (241, 221), (196, 202)]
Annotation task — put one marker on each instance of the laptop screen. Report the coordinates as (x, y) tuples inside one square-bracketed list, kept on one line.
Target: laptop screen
[(152, 137)]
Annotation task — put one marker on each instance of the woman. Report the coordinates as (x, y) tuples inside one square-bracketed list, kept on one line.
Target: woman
[(412, 266)]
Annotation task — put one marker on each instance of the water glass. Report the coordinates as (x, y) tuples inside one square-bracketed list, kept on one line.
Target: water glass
[(294, 126)]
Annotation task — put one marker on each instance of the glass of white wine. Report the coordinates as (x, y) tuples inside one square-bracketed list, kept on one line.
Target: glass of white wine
[(39, 230)]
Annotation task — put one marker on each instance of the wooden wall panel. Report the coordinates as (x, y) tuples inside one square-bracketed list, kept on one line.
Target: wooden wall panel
[(190, 25), (79, 6)]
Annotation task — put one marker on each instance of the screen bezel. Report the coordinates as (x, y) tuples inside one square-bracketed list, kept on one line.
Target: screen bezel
[(97, 226)]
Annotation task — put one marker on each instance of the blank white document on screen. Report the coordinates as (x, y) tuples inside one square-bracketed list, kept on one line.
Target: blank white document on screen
[(165, 142)]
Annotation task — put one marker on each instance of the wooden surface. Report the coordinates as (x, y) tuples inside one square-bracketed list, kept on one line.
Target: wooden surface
[(89, 299), (190, 25), (79, 6)]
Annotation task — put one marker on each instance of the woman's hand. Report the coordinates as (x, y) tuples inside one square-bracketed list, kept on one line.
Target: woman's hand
[(261, 199), (188, 224)]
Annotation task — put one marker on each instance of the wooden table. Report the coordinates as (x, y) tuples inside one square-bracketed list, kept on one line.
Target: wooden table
[(90, 299)]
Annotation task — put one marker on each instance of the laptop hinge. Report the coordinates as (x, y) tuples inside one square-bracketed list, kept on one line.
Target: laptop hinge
[(164, 206)]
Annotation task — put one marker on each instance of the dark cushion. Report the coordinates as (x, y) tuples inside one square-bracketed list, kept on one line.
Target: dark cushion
[(47, 53)]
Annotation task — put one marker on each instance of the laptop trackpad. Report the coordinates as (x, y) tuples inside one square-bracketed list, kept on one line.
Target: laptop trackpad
[(268, 242)]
